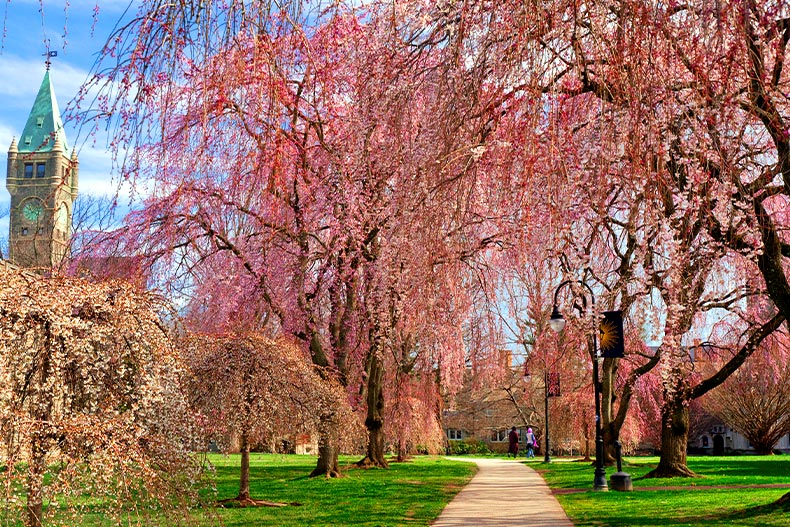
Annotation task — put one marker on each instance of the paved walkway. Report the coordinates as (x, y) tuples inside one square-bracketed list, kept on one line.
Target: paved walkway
[(503, 492)]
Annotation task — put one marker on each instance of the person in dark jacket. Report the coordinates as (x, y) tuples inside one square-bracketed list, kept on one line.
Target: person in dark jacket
[(512, 439)]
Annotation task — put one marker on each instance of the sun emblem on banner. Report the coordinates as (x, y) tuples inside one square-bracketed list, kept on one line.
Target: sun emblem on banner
[(609, 335)]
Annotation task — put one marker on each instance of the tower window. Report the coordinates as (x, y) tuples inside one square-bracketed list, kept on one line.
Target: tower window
[(41, 169), (24, 231), (39, 121), (28, 139), (28, 170)]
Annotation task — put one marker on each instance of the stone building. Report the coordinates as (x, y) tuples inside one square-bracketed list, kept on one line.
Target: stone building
[(42, 178), (486, 413), (719, 439)]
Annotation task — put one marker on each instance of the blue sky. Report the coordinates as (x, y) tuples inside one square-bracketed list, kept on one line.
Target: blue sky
[(78, 36)]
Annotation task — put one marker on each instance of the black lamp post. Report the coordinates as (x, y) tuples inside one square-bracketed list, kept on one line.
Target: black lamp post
[(546, 457), (557, 323)]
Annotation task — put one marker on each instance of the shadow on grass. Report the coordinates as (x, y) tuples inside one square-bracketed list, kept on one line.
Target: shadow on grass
[(769, 515), (751, 516), (781, 505)]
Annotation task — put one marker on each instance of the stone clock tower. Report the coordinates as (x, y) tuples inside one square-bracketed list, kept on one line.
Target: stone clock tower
[(42, 181)]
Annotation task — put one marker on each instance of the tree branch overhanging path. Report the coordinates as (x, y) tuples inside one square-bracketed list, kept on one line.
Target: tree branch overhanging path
[(358, 178)]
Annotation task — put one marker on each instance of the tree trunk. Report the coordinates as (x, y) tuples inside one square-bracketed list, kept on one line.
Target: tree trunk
[(402, 454), (674, 440), (375, 417), (587, 444), (244, 479), (763, 444), (610, 435), (35, 483), (327, 465), (328, 441), (609, 429)]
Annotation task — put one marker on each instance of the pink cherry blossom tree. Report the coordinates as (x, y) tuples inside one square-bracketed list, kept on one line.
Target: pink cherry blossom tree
[(646, 159), (649, 139), (313, 169)]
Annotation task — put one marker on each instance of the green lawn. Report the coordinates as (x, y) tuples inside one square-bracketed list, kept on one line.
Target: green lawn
[(415, 492), (412, 493), (691, 505)]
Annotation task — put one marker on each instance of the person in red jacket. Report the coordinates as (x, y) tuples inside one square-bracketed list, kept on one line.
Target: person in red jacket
[(512, 439)]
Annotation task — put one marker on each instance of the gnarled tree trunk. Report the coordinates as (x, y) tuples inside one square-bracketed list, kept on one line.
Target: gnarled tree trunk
[(674, 439), (327, 465), (328, 448), (375, 416)]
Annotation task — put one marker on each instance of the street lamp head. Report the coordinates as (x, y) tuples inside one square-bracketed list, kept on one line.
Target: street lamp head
[(557, 321)]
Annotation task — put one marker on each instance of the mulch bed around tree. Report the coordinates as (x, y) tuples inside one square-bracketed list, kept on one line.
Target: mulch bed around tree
[(250, 502)]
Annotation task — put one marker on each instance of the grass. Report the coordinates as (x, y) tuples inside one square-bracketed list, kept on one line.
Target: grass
[(692, 502), (410, 493), (414, 493)]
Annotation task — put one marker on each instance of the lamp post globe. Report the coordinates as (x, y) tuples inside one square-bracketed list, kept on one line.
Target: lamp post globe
[(557, 321)]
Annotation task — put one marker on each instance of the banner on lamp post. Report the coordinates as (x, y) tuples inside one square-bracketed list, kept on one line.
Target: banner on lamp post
[(611, 341), (553, 384)]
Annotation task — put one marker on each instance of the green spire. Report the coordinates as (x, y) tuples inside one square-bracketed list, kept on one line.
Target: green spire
[(43, 125)]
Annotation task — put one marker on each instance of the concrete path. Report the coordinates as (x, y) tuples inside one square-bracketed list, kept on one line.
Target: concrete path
[(503, 492)]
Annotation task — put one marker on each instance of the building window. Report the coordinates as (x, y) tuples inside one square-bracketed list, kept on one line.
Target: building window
[(705, 441), (454, 434), (39, 121), (28, 170), (28, 139), (499, 436), (41, 169), (24, 231), (488, 412)]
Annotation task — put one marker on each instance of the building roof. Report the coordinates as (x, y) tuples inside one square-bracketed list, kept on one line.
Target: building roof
[(44, 127)]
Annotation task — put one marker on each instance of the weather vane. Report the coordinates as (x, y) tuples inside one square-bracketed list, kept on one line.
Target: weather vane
[(49, 54)]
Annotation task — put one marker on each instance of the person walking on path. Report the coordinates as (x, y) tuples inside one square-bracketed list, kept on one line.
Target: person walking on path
[(503, 492), (530, 443), (512, 439)]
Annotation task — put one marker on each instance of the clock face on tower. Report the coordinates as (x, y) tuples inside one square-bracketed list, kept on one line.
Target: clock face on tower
[(32, 210)]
